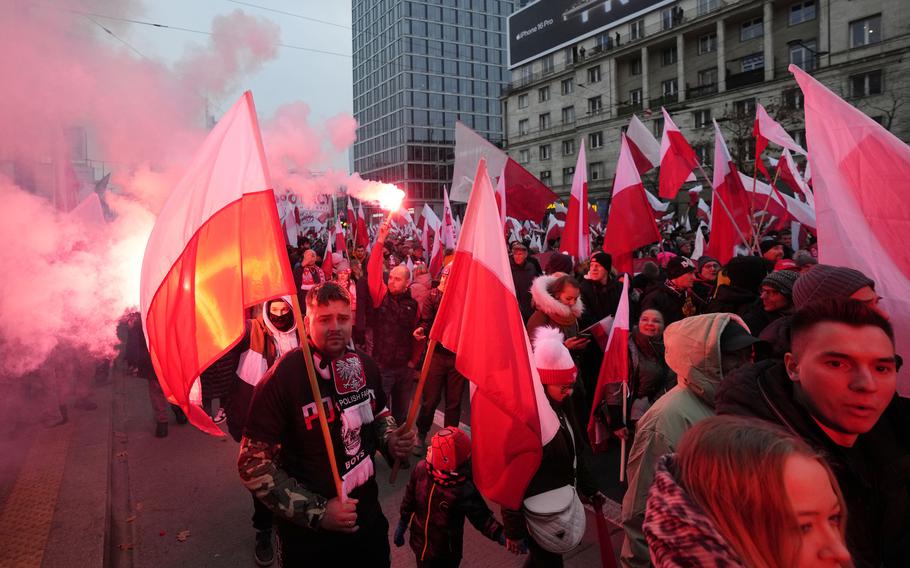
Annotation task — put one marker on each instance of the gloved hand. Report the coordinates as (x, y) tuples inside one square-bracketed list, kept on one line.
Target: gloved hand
[(399, 533)]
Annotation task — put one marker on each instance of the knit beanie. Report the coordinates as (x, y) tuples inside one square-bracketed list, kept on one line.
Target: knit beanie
[(746, 272), (803, 258), (785, 264), (553, 361), (449, 449), (603, 259), (559, 263), (782, 281), (678, 266), (767, 244), (703, 260), (824, 281)]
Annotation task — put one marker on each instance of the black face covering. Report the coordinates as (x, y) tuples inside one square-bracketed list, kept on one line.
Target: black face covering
[(282, 323)]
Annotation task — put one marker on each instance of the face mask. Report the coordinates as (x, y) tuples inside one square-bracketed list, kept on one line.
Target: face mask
[(282, 323)]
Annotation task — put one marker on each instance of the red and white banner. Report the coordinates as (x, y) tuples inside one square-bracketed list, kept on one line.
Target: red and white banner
[(511, 419), (644, 146), (677, 159), (731, 222), (447, 228), (362, 238), (614, 368), (766, 129), (576, 237), (216, 249)]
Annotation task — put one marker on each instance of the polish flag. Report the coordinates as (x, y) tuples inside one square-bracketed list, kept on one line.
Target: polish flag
[(351, 217), (789, 173), (501, 196), (327, 265), (436, 257), (511, 419), (447, 229), (340, 244), (613, 369), (216, 248), (554, 230), (766, 129), (631, 224), (526, 196), (429, 218), (780, 204), (861, 171), (576, 237), (362, 236), (677, 159), (644, 146), (425, 243), (699, 249), (601, 332), (731, 222)]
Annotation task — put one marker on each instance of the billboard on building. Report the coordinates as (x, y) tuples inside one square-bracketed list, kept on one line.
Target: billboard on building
[(547, 25)]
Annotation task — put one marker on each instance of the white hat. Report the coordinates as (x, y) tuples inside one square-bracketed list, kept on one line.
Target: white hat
[(552, 358)]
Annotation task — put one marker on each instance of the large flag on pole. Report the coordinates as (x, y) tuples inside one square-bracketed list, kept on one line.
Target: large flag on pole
[(511, 419), (447, 228), (576, 237), (216, 249), (731, 222), (614, 368), (362, 234), (677, 159), (631, 224), (766, 129), (644, 146)]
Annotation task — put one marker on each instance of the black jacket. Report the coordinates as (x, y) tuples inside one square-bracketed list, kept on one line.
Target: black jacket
[(671, 303), (524, 276), (601, 300), (395, 322), (874, 475), (730, 299)]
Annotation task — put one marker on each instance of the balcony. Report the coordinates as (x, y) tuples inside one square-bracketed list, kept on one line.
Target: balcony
[(701, 91), (627, 109), (665, 100), (736, 80)]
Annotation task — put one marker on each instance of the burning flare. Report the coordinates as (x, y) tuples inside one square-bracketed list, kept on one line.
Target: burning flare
[(390, 197)]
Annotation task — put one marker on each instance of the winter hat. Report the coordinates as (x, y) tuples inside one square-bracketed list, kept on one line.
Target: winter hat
[(804, 258), (559, 263), (703, 260), (603, 259), (518, 245), (746, 272), (767, 244), (825, 281), (782, 281), (785, 264), (342, 266), (664, 258), (552, 358), (678, 266), (449, 449)]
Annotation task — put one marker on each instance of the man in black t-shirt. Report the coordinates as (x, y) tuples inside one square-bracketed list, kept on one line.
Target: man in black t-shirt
[(283, 458)]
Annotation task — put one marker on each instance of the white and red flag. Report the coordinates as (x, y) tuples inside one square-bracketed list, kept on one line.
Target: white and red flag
[(447, 227), (511, 419), (677, 159), (860, 172), (731, 222), (613, 369), (327, 262), (789, 173), (576, 236), (631, 223), (216, 249), (351, 218), (437, 256), (501, 196), (644, 146), (600, 331), (767, 129), (362, 235), (429, 218), (340, 244), (554, 230)]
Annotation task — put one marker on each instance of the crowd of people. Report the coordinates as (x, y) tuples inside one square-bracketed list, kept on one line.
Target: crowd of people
[(760, 411)]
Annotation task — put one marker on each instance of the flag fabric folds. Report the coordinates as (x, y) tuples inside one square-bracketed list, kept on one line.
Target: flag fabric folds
[(644, 146), (511, 418), (677, 159), (731, 222), (447, 228), (576, 236), (613, 369), (362, 236), (216, 249)]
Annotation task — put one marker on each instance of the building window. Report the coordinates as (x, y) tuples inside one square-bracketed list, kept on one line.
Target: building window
[(595, 171), (703, 153), (707, 43), (596, 139), (595, 105), (594, 74), (658, 127), (753, 62), (635, 97), (567, 86), (670, 17), (866, 31), (802, 12), (635, 67), (548, 65), (568, 115), (568, 147), (523, 100), (567, 174), (523, 126), (793, 99), (543, 152), (707, 77), (707, 6), (669, 56), (636, 30), (526, 74), (524, 156), (803, 56), (544, 121), (543, 94), (669, 87), (546, 177), (744, 107), (702, 118), (751, 29), (866, 84)]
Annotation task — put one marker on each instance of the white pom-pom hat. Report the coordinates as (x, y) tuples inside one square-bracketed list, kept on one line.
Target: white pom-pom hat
[(553, 361)]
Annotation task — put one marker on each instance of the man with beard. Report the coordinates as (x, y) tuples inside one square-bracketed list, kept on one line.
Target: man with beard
[(283, 458)]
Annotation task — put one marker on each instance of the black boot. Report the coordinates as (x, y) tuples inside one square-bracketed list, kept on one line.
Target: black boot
[(178, 412), (265, 553), (161, 430)]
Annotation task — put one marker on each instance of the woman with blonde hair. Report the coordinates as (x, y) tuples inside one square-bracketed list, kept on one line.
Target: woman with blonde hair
[(745, 493)]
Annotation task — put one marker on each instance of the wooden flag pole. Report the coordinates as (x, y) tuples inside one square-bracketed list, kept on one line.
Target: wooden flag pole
[(317, 396), (622, 443), (726, 210), (415, 402), (768, 200)]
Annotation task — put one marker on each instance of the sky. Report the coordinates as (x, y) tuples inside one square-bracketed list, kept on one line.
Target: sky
[(322, 81)]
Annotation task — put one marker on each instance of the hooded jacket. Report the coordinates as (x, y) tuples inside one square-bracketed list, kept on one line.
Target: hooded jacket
[(551, 312), (874, 475), (693, 352), (679, 532)]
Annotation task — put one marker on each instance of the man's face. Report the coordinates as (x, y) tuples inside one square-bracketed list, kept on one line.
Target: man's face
[(847, 375), (519, 255), (360, 253), (774, 253), (398, 280), (772, 300), (868, 296), (709, 271), (329, 326), (685, 281), (786, 239), (309, 257), (596, 271)]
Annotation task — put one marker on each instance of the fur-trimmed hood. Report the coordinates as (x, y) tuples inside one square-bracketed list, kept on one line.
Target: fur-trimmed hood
[(545, 302)]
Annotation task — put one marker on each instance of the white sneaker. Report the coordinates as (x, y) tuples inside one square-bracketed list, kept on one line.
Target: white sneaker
[(220, 416)]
